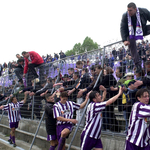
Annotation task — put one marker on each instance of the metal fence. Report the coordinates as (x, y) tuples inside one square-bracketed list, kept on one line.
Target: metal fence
[(112, 56)]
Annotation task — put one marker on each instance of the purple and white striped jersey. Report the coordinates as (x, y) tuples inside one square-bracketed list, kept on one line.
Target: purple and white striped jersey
[(13, 111), (65, 110), (94, 119), (139, 127)]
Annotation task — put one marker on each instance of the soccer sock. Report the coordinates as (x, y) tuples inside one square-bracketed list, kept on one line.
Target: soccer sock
[(13, 139), (52, 148), (10, 137), (61, 143)]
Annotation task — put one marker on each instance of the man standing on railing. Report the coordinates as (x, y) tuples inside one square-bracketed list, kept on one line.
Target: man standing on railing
[(32, 60), (133, 27)]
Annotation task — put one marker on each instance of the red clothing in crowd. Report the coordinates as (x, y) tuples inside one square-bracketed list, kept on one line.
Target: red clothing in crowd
[(35, 59)]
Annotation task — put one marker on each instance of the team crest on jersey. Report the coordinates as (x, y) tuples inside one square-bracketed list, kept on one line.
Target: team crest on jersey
[(65, 112), (62, 112), (15, 108), (145, 119)]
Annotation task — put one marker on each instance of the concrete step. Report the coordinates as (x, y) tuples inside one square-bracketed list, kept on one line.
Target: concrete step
[(21, 145)]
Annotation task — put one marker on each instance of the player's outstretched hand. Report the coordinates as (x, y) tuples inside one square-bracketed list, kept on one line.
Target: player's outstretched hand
[(120, 90)]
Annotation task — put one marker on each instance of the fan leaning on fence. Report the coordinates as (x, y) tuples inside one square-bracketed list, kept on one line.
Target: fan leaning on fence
[(14, 115)]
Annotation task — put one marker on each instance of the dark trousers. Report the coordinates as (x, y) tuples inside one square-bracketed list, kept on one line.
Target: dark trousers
[(19, 72), (133, 48), (111, 121), (32, 74), (41, 70)]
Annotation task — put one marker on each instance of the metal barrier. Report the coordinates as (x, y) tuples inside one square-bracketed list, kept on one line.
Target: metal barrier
[(35, 104)]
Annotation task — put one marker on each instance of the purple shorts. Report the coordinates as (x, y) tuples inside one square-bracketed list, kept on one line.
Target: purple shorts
[(87, 143), (13, 124), (131, 146), (62, 127), (51, 137)]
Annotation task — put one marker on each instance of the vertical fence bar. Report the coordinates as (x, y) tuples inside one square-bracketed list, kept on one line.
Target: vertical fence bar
[(32, 116)]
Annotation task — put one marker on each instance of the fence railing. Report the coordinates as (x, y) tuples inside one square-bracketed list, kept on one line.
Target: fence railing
[(113, 116)]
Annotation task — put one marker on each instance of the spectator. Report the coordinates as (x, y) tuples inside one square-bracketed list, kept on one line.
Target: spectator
[(111, 61), (56, 56), (106, 60), (32, 60), (130, 64), (1, 69), (114, 52), (19, 66), (109, 119), (70, 72), (5, 65), (133, 27)]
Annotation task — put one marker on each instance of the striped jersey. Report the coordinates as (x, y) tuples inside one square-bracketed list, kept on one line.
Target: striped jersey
[(138, 128), (13, 111), (94, 119), (65, 110)]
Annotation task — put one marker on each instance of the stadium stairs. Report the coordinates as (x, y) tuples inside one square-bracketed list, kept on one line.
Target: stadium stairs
[(27, 129)]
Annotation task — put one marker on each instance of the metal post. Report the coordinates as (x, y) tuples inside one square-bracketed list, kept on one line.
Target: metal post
[(32, 116)]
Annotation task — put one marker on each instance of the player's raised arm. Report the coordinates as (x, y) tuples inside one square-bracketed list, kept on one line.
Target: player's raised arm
[(113, 99)]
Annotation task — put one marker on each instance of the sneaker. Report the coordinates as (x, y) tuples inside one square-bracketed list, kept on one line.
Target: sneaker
[(138, 69), (10, 141), (14, 145)]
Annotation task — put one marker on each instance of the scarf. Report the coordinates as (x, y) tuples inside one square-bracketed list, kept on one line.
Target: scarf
[(139, 33)]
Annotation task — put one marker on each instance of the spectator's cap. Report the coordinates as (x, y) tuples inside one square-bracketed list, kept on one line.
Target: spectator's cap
[(129, 74), (66, 76)]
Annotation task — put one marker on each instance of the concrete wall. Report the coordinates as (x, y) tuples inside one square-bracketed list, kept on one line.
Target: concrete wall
[(27, 129)]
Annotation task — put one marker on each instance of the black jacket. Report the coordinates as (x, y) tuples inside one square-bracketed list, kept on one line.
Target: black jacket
[(144, 15), (50, 121)]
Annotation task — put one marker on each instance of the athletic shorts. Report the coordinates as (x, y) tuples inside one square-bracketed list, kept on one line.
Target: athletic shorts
[(51, 137), (62, 127), (131, 146), (87, 143), (13, 124)]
